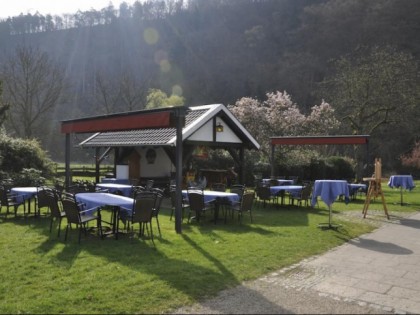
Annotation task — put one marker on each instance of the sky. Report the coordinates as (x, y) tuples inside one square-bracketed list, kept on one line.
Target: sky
[(53, 7)]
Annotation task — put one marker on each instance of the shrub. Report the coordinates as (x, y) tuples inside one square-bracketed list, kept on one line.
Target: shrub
[(28, 177), (22, 157)]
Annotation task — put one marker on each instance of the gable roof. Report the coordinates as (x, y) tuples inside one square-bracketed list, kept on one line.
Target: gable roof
[(196, 118)]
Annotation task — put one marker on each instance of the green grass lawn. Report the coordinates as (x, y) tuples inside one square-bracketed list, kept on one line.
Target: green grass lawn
[(42, 274)]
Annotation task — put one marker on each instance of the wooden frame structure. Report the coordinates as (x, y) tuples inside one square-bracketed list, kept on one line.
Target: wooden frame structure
[(318, 140), (375, 188)]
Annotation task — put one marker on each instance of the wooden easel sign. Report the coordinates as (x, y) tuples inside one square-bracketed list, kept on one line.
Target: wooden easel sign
[(375, 188)]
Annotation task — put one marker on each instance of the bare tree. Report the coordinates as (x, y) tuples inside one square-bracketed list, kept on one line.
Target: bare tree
[(133, 93), (124, 93), (107, 93), (4, 107), (33, 86)]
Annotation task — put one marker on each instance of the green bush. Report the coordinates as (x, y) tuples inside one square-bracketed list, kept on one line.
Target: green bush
[(28, 177), (333, 167), (23, 160), (339, 168), (309, 166)]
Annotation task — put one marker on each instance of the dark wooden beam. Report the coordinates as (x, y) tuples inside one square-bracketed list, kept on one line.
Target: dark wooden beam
[(318, 140), (118, 123)]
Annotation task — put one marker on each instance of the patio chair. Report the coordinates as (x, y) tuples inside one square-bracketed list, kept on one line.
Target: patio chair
[(149, 184), (184, 204), (75, 215), (156, 209), (59, 187), (8, 200), (264, 194), (244, 206), (238, 189), (137, 189), (42, 199), (142, 213), (197, 205), (303, 196), (56, 212)]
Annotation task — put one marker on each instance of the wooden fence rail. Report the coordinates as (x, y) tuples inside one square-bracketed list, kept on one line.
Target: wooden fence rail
[(84, 171)]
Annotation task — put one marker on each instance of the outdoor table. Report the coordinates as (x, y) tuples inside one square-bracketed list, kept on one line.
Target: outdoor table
[(293, 189), (218, 197), (401, 181), (279, 181), (329, 190), (114, 187), (25, 194), (117, 202)]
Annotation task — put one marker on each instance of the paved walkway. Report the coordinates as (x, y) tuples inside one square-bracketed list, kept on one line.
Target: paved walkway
[(375, 273)]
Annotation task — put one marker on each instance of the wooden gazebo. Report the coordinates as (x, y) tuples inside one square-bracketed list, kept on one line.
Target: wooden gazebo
[(176, 129)]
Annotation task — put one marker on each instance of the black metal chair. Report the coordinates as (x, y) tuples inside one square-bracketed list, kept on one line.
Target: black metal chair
[(303, 196), (264, 194), (142, 213), (75, 215), (244, 206), (42, 199), (56, 212), (197, 205), (184, 203), (8, 200), (136, 189), (156, 209), (238, 189), (149, 184)]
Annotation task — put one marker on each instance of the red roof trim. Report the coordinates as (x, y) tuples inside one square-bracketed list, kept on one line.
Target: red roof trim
[(319, 140), (118, 123)]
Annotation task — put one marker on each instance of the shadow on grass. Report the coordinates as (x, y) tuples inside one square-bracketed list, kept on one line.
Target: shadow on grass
[(198, 274)]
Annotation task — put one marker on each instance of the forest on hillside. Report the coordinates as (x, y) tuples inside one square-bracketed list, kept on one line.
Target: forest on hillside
[(219, 51)]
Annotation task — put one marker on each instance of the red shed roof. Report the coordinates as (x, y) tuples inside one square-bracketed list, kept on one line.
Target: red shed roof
[(356, 139)]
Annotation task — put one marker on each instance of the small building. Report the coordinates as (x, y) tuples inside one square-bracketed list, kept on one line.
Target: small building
[(146, 143)]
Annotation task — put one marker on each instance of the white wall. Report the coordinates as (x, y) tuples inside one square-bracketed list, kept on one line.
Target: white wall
[(162, 167), (205, 133)]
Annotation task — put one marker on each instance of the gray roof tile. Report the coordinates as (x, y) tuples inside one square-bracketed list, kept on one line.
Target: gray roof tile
[(158, 137)]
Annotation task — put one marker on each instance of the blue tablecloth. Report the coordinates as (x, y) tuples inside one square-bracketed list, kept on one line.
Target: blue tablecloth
[(274, 190), (329, 190), (279, 181), (24, 193), (354, 188), (404, 181), (210, 195), (113, 187), (95, 200), (115, 180)]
